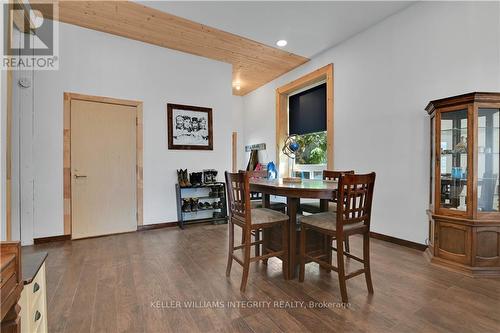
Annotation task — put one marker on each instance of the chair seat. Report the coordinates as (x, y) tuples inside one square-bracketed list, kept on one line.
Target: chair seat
[(266, 215), (327, 221), (314, 207), (274, 205)]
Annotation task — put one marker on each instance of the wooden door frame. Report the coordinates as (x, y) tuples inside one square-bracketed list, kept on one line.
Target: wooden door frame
[(68, 97), (322, 74)]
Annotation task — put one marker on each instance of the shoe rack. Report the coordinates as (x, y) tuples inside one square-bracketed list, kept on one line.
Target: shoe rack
[(202, 203)]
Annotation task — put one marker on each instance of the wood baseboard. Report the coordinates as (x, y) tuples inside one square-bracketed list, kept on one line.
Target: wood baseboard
[(61, 238), (50, 239), (399, 241), (157, 226), (390, 239)]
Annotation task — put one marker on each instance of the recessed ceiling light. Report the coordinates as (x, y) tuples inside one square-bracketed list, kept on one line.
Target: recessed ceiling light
[(238, 87), (281, 43)]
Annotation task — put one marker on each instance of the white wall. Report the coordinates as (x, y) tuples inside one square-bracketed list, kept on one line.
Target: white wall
[(22, 168), (96, 63), (383, 79)]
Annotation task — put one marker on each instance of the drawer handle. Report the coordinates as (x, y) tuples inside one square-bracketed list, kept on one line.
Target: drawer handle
[(36, 287), (38, 315)]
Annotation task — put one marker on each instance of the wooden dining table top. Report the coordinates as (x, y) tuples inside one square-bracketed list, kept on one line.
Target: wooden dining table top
[(307, 188)]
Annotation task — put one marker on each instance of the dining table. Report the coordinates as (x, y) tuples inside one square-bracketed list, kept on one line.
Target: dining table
[(324, 190)]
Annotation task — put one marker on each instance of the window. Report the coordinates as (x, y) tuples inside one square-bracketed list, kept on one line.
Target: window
[(300, 121), (307, 119)]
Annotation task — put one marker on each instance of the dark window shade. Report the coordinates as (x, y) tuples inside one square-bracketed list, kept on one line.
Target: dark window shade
[(307, 111)]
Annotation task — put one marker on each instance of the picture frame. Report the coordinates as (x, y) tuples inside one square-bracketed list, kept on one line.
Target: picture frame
[(189, 127)]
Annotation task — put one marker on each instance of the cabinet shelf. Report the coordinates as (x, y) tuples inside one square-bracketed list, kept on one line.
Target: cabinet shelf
[(452, 154), (465, 129), (202, 186), (203, 197), (200, 210)]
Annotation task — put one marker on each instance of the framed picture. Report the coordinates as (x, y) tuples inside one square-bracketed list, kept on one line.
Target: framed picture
[(189, 127)]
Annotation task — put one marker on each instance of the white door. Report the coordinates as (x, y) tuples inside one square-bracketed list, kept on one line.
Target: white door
[(103, 168)]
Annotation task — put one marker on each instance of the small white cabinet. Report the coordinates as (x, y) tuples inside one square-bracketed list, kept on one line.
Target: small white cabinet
[(33, 303)]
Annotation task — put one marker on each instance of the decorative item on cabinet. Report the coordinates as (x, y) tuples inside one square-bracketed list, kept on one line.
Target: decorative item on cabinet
[(464, 212)]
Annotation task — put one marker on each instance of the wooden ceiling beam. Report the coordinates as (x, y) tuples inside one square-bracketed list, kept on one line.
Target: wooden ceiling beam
[(254, 63)]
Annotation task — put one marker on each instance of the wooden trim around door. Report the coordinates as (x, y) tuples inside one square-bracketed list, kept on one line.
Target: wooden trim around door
[(68, 97), (322, 74)]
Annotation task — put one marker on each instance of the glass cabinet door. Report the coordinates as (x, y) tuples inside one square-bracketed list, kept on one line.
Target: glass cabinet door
[(453, 160), (488, 157)]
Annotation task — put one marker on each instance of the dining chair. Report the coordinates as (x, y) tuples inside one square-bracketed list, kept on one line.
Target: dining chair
[(354, 205), (314, 207), (248, 219), (256, 202)]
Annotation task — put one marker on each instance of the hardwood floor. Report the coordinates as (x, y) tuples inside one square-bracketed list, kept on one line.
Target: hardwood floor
[(126, 283)]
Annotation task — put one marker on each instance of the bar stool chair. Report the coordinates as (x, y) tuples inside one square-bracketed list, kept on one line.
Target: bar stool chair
[(314, 207), (248, 219), (354, 204), (256, 202)]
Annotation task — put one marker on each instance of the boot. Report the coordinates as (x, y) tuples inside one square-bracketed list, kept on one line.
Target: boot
[(186, 205), (185, 177), (180, 178), (194, 204)]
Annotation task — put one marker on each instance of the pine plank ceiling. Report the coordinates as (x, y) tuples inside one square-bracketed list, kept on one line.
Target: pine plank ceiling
[(254, 64)]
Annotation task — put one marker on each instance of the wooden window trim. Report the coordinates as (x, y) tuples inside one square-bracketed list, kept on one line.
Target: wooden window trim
[(68, 97), (322, 74)]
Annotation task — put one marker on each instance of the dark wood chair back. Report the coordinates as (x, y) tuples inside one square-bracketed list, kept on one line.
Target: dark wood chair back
[(256, 174), (335, 175), (238, 194), (355, 195)]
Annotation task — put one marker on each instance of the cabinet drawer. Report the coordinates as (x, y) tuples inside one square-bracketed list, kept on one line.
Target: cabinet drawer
[(486, 246), (453, 242), (6, 274), (38, 316), (36, 289), (34, 306), (33, 315)]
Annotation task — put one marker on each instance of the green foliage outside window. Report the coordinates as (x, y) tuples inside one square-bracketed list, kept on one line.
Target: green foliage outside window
[(312, 148)]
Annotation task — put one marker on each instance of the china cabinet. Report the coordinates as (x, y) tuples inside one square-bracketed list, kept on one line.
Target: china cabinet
[(464, 212)]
